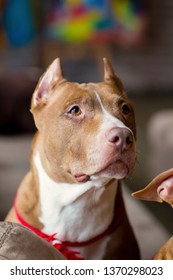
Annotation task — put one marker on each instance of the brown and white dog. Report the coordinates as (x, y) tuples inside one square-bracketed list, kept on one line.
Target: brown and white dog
[(160, 189), (84, 145)]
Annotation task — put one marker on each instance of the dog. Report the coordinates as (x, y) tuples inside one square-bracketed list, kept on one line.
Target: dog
[(160, 189), (84, 147)]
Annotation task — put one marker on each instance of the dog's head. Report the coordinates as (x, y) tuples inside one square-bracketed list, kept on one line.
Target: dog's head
[(87, 131)]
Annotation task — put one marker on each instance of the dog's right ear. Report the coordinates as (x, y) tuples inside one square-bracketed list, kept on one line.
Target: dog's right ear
[(53, 75)]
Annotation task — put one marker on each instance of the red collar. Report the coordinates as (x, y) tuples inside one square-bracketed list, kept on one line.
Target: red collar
[(62, 245)]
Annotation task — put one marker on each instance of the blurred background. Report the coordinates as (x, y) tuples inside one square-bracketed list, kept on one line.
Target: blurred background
[(136, 35)]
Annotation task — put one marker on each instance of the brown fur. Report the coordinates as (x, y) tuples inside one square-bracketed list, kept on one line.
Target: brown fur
[(166, 251)]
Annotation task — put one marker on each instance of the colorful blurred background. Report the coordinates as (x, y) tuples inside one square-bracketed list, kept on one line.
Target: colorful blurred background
[(72, 21)]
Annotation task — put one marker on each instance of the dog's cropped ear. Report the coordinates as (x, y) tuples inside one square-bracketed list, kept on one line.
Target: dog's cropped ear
[(110, 76), (154, 190), (52, 76)]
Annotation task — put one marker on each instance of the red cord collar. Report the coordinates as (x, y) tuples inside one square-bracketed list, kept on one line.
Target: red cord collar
[(62, 246)]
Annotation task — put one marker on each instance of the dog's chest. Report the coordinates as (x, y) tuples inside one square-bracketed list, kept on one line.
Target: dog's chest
[(74, 212)]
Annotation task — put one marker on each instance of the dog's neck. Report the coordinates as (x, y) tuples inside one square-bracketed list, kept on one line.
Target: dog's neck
[(89, 205)]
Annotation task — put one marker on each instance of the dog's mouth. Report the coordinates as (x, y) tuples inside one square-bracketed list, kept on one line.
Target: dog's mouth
[(81, 177), (117, 169)]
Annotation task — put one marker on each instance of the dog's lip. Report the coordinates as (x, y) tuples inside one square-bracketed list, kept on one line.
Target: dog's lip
[(81, 177), (102, 170)]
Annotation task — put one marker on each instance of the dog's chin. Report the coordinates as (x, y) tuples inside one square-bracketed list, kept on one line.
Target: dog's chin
[(117, 170)]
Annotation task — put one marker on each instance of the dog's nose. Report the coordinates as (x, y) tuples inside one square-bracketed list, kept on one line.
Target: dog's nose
[(120, 137)]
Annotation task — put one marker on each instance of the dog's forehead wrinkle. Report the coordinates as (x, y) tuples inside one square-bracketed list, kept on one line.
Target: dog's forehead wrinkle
[(107, 115)]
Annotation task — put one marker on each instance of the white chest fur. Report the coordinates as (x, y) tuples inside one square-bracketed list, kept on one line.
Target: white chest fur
[(76, 212)]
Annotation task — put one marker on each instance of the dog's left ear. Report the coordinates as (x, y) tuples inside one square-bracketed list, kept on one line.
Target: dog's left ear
[(52, 76), (110, 76)]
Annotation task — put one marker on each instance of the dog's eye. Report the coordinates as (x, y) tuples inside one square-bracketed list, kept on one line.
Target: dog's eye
[(75, 110), (125, 108)]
